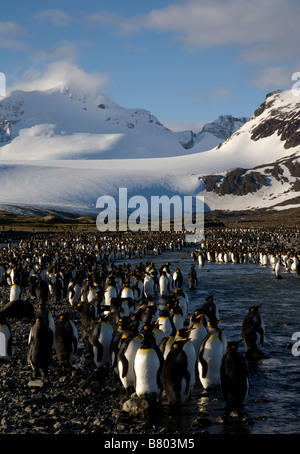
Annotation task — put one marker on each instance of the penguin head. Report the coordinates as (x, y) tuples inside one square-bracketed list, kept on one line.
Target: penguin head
[(254, 309), (178, 344), (183, 333), (233, 345), (148, 341)]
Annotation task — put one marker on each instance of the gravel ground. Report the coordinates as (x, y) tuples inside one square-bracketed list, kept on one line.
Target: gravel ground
[(76, 401)]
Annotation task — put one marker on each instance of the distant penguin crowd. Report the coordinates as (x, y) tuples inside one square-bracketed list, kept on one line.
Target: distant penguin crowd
[(278, 249), (135, 321)]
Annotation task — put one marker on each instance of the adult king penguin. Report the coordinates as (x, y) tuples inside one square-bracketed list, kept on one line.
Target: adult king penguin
[(253, 332), (210, 357), (234, 377), (130, 344), (148, 369)]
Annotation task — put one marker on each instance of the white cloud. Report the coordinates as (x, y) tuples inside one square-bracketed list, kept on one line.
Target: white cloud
[(61, 73), (274, 77), (209, 23), (56, 17), (260, 30), (12, 36)]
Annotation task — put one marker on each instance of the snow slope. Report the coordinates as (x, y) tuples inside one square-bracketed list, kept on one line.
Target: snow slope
[(53, 155), (60, 123)]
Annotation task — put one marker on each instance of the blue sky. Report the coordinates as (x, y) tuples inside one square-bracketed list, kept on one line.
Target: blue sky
[(185, 61)]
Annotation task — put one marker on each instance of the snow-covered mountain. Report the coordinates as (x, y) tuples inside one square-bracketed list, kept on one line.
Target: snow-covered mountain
[(62, 150), (60, 123)]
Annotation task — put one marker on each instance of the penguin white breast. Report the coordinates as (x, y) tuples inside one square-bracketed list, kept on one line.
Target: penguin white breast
[(5, 335), (146, 365)]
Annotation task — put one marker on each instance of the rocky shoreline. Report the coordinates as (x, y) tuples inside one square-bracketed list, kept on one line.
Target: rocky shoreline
[(74, 401)]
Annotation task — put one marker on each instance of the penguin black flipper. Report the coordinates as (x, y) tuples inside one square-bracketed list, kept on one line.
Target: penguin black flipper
[(159, 370), (95, 343), (261, 333), (201, 359), (122, 358)]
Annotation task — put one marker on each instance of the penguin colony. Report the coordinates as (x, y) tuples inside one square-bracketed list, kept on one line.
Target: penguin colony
[(134, 321)]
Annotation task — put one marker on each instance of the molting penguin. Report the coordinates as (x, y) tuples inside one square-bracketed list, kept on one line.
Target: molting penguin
[(210, 356), (100, 338), (88, 312), (209, 308), (192, 278), (234, 377), (40, 347), (66, 340), (5, 339), (253, 332), (148, 368), (176, 376)]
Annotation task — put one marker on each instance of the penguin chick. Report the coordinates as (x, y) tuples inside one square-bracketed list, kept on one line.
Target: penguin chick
[(66, 340), (100, 339), (253, 332), (40, 347), (176, 377), (234, 377)]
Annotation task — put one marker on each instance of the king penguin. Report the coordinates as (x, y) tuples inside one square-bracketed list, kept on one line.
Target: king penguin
[(148, 369), (5, 340), (100, 339), (15, 292), (209, 308), (166, 323), (234, 377), (210, 356), (66, 340), (192, 278), (189, 349), (198, 329), (253, 332), (164, 285), (176, 377), (44, 312), (40, 347), (130, 343)]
